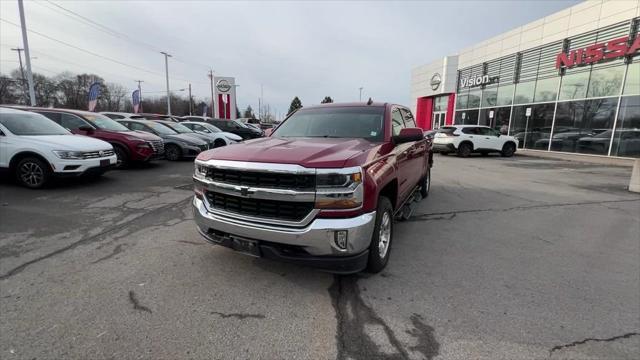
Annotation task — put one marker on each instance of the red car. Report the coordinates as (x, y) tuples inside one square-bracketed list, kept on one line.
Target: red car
[(128, 145), (322, 190)]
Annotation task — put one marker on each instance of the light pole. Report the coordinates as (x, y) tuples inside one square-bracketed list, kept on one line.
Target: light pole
[(25, 42), (212, 103), (361, 93), (190, 101), (166, 68)]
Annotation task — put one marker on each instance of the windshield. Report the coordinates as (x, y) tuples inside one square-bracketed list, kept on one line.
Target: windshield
[(160, 129), (211, 128), (347, 122), (240, 123), (103, 122), (30, 124), (178, 128)]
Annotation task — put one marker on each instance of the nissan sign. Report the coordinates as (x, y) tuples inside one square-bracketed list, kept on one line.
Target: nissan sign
[(612, 49), (435, 81), (223, 86)]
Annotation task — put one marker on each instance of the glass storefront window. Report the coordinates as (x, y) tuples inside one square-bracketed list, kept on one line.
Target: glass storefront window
[(505, 95), (626, 139), (605, 82), (574, 86), (534, 132), (524, 92), (440, 103), (632, 83), (546, 90), (474, 99), (582, 126), (466, 117), (489, 96), (462, 99), (497, 118)]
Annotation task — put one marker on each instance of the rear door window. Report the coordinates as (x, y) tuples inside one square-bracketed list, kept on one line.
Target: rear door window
[(470, 130)]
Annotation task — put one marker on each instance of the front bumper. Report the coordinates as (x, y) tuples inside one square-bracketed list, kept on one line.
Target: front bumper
[(311, 245), (79, 167)]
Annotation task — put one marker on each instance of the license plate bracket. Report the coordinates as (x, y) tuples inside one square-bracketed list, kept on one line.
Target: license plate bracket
[(105, 162), (245, 246)]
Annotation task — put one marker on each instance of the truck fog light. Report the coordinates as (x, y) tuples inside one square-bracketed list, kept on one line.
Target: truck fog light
[(340, 238)]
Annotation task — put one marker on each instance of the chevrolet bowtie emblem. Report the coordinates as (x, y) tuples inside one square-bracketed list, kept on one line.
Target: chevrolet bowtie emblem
[(244, 191)]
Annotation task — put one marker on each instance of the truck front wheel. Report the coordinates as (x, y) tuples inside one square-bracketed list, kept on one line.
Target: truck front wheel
[(380, 246)]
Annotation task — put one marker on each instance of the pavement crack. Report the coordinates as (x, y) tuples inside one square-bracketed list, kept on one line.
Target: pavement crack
[(117, 250), (354, 317), (581, 342), (136, 304), (87, 240), (240, 316), (452, 214)]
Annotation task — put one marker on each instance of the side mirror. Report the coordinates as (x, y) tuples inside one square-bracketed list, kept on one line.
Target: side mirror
[(86, 128), (408, 135)]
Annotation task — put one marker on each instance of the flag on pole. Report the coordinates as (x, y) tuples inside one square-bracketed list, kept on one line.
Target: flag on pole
[(135, 100), (94, 92)]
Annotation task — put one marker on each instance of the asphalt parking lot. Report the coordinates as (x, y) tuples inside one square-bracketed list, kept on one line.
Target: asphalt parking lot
[(516, 258)]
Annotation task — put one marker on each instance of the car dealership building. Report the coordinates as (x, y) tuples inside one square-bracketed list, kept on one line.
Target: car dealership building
[(569, 82)]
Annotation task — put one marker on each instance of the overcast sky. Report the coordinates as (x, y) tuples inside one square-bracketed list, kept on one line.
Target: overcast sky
[(308, 49)]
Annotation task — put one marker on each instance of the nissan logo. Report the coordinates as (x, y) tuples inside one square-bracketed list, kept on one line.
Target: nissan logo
[(223, 86), (435, 81)]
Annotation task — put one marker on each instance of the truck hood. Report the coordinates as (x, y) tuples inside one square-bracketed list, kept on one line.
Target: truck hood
[(307, 152), (67, 142)]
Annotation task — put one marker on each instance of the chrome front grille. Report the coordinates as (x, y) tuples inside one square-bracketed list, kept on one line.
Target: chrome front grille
[(97, 154), (157, 146), (281, 194), (266, 209)]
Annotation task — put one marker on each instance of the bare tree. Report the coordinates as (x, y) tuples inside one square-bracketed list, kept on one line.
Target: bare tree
[(114, 96)]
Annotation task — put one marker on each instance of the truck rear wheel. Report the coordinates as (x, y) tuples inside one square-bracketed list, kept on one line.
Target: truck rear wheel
[(380, 246)]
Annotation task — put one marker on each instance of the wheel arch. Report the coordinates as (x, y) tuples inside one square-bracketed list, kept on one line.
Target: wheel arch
[(24, 154), (469, 142), (390, 191)]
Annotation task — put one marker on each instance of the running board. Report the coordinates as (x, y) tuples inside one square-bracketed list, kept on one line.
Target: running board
[(405, 210)]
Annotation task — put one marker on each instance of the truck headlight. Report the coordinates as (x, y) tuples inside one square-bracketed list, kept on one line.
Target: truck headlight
[(68, 155), (339, 188), (200, 171)]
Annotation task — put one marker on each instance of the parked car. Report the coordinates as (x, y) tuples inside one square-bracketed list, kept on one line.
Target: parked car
[(35, 149), (222, 138), (176, 146), (181, 129), (626, 142), (563, 141), (128, 145), (467, 139), (122, 115), (236, 127), (322, 190), (195, 118)]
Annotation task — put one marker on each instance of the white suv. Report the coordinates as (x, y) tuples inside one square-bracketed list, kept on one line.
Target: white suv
[(34, 149), (466, 139)]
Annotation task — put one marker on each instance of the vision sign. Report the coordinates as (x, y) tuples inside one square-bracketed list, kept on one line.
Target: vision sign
[(477, 80), (598, 52)]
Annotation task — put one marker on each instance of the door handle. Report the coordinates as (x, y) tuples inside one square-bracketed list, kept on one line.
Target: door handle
[(471, 137), (487, 138)]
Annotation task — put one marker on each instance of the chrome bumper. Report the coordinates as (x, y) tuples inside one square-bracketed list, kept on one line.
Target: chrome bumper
[(317, 237)]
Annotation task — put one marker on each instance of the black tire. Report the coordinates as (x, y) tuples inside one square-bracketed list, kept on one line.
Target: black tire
[(172, 152), (377, 262), (464, 150), (32, 172), (425, 184), (219, 143), (508, 150), (122, 157)]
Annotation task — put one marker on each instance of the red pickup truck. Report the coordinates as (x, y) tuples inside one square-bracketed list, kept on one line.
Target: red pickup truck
[(322, 190)]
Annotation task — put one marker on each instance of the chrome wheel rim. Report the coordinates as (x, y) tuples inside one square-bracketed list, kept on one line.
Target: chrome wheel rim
[(119, 156), (31, 174), (384, 235)]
